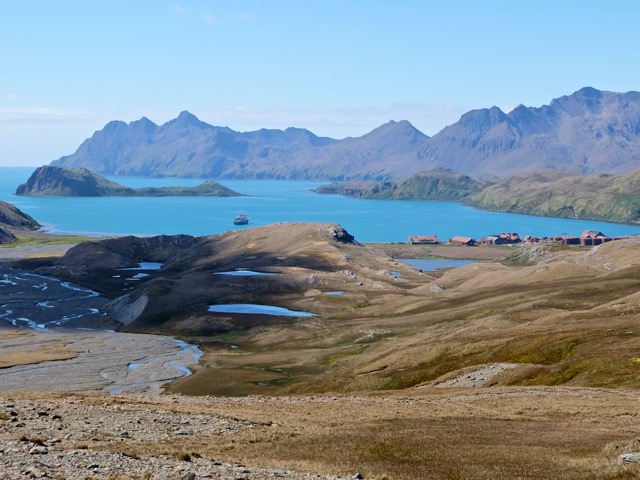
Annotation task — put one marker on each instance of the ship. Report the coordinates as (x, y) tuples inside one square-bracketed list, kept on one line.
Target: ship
[(241, 219)]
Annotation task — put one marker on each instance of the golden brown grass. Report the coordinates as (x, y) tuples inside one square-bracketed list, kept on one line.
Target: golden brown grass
[(478, 252), (570, 320), (31, 354), (501, 433)]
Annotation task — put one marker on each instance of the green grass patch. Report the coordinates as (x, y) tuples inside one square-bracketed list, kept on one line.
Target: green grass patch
[(26, 240)]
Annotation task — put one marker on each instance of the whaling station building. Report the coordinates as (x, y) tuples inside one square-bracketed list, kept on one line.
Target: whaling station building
[(587, 238)]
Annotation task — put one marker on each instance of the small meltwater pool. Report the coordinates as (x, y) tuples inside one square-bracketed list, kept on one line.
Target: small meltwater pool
[(430, 265), (250, 308), (241, 272), (145, 266)]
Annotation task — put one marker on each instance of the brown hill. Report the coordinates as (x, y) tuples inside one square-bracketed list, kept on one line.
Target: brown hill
[(554, 194), (309, 260), (570, 318)]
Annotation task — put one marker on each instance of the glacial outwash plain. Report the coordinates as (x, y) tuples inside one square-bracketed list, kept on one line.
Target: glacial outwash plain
[(294, 350)]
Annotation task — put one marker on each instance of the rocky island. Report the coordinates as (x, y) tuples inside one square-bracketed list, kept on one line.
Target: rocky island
[(79, 182)]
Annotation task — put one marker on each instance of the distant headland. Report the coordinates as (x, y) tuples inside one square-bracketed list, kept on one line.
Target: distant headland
[(51, 181)]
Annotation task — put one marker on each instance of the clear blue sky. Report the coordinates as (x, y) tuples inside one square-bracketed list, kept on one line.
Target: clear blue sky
[(336, 67)]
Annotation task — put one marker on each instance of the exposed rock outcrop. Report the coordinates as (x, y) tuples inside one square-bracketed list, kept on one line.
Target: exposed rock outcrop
[(13, 220), (6, 236), (10, 216)]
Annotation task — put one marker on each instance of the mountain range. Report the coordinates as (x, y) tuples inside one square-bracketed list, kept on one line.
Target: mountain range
[(588, 132)]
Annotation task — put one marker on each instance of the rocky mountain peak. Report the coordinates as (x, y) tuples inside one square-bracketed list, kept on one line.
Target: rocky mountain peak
[(483, 119), (187, 119), (585, 100), (144, 125), (114, 126), (391, 129)]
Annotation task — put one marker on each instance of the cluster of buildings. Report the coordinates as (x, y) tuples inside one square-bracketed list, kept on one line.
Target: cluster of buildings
[(587, 238)]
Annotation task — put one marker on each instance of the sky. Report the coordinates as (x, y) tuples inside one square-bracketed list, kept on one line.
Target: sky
[(338, 68)]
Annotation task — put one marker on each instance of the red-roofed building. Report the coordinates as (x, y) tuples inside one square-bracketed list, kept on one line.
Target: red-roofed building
[(422, 240), (592, 237), (458, 240), (592, 234)]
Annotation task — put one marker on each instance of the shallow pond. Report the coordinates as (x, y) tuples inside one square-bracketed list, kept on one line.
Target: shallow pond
[(241, 272), (250, 308), (430, 265)]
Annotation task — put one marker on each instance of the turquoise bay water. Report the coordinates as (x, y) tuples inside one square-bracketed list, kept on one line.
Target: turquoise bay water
[(274, 201)]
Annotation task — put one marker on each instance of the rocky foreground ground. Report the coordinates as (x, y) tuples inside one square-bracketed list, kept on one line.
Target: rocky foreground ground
[(92, 437)]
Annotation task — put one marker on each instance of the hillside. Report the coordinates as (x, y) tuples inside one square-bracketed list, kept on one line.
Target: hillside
[(509, 372), (387, 326), (307, 257), (10, 216), (589, 131), (79, 182), (13, 220), (546, 193), (438, 184), (554, 194)]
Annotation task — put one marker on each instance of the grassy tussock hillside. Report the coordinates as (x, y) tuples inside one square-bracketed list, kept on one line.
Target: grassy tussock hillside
[(571, 319), (438, 184), (554, 194), (547, 193)]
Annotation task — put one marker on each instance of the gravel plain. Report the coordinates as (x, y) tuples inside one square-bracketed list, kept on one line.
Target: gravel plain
[(78, 437)]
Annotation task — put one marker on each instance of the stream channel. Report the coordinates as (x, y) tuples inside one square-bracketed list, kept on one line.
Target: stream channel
[(56, 313)]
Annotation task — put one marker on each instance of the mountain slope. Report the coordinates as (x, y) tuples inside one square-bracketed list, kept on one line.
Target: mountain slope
[(571, 318), (10, 216), (187, 147), (590, 131), (438, 184), (11, 220), (553, 194)]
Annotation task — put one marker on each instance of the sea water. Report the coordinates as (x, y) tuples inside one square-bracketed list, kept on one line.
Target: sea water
[(273, 201)]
